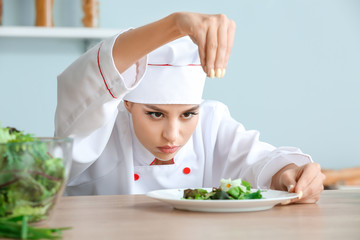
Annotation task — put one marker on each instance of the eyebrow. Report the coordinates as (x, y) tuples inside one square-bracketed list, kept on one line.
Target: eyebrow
[(155, 108), (195, 108)]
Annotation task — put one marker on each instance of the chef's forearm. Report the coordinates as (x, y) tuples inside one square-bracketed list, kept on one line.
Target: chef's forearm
[(135, 44)]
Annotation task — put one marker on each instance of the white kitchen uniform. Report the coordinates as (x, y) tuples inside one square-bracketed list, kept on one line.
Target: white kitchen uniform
[(109, 159)]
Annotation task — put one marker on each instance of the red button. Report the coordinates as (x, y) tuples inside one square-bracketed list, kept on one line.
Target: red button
[(186, 170), (136, 177)]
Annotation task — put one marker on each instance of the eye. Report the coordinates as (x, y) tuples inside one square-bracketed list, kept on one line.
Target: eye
[(155, 115), (189, 115)]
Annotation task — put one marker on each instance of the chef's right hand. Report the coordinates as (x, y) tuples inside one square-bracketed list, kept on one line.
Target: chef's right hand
[(214, 35)]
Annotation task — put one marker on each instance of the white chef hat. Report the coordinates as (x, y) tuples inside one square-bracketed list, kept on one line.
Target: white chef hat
[(173, 76)]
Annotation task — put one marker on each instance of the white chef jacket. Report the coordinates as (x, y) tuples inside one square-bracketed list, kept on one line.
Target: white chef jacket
[(109, 159)]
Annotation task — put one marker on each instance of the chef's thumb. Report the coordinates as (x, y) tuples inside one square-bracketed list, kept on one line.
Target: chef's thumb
[(291, 187), (289, 181)]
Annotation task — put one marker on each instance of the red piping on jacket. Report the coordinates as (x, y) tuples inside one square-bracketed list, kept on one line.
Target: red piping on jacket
[(170, 65), (98, 62), (155, 160)]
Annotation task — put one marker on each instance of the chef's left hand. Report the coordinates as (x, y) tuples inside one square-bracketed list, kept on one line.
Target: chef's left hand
[(306, 180)]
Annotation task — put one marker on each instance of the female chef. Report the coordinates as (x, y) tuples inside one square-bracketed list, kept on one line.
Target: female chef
[(133, 105)]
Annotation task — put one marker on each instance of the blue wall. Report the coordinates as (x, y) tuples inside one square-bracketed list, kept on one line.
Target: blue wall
[(293, 74)]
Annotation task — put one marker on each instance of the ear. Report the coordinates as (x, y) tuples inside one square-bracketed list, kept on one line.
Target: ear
[(128, 105)]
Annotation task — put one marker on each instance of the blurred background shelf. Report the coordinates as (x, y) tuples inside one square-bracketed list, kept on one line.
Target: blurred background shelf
[(57, 32)]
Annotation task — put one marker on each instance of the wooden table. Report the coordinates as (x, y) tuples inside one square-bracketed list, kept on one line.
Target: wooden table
[(335, 216)]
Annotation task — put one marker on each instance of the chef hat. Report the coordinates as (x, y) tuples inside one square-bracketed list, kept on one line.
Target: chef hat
[(173, 76)]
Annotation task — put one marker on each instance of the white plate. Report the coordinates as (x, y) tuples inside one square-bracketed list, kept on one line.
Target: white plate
[(269, 200)]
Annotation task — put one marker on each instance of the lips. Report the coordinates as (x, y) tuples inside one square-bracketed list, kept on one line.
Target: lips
[(168, 149)]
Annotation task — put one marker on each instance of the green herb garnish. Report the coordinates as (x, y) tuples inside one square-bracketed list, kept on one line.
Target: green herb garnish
[(18, 228)]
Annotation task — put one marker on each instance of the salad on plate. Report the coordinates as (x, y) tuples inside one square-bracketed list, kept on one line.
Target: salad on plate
[(229, 190)]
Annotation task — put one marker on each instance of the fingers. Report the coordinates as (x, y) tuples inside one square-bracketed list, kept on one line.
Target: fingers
[(214, 35), (221, 51), (220, 39), (312, 193), (211, 49), (307, 181), (306, 176), (311, 188), (288, 180), (230, 39), (200, 41), (310, 183)]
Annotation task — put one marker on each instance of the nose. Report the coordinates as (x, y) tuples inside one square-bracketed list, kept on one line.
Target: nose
[(171, 131)]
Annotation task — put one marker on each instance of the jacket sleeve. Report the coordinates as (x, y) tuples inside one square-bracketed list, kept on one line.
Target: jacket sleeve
[(239, 153), (89, 92)]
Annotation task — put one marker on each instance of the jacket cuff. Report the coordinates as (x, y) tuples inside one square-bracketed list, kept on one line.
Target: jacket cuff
[(115, 82), (279, 158)]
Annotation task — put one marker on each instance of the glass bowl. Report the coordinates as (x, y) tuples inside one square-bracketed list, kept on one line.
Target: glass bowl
[(33, 176)]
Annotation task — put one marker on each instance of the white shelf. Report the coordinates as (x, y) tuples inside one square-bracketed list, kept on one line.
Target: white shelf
[(57, 32)]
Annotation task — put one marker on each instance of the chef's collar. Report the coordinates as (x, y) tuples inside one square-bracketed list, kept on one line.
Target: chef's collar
[(173, 76)]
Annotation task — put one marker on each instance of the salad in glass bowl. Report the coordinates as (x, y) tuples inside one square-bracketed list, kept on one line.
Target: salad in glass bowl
[(33, 174)]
